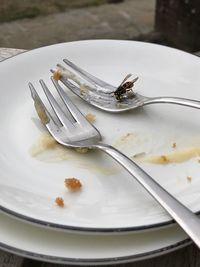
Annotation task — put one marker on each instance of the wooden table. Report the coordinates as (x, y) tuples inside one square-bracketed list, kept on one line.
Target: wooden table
[(186, 257)]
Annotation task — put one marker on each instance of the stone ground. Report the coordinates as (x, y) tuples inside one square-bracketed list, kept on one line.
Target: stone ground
[(129, 20)]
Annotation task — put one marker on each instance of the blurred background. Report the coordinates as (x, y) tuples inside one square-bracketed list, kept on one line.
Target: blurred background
[(28, 24)]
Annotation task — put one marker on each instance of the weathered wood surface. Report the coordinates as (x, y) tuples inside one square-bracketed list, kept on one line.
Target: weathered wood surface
[(185, 257), (178, 22)]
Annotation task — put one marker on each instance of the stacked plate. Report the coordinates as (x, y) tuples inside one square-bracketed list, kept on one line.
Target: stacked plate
[(111, 219)]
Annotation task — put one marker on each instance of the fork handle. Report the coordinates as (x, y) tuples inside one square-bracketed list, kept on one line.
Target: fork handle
[(173, 100), (189, 222)]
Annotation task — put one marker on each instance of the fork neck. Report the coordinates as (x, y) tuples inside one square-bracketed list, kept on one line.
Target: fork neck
[(113, 152), (173, 100)]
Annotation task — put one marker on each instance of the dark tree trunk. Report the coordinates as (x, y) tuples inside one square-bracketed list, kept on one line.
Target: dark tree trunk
[(178, 22)]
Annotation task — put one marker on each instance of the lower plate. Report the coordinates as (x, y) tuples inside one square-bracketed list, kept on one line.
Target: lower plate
[(61, 247)]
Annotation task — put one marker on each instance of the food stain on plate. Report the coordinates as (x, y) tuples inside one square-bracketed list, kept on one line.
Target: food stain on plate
[(174, 157), (139, 147), (47, 149)]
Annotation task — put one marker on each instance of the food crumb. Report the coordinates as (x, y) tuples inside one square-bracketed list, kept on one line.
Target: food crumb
[(90, 117), (174, 145), (82, 150), (138, 155), (57, 75), (126, 136), (73, 184), (60, 202), (198, 160), (83, 88), (189, 179), (164, 159)]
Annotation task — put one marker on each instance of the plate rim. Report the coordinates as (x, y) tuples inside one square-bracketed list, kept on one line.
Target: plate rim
[(97, 261), (80, 229)]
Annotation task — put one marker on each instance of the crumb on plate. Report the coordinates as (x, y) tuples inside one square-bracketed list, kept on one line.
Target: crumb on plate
[(174, 145), (189, 179), (164, 159), (73, 184), (90, 117), (57, 75), (84, 88), (138, 155), (82, 150), (60, 202)]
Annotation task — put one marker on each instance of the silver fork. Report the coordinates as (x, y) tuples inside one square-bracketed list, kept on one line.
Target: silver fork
[(101, 94), (80, 133)]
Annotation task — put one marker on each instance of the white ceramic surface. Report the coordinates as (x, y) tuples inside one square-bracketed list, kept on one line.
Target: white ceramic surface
[(111, 200), (55, 246)]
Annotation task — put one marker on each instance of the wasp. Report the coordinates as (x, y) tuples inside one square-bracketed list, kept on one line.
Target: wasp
[(125, 87)]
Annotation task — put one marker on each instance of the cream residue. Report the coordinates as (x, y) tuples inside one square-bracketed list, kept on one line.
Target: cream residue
[(125, 139), (84, 88), (67, 74), (132, 141), (174, 157), (47, 149), (60, 73), (90, 117), (44, 143), (41, 111)]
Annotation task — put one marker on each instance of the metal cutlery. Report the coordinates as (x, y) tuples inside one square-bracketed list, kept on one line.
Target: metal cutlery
[(105, 96), (79, 133)]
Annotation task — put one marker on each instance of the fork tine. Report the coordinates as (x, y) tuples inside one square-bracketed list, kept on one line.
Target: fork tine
[(56, 107), (78, 116), (42, 112), (89, 77)]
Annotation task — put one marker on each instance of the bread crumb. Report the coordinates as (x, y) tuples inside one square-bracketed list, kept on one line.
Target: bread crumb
[(90, 117), (189, 179), (60, 202), (174, 145), (57, 75), (73, 184)]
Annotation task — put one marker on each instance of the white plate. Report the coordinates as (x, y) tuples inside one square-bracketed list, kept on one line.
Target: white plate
[(55, 246), (110, 199)]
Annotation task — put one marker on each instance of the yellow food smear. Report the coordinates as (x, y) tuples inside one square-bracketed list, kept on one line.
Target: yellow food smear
[(90, 117), (59, 153), (125, 140), (82, 150), (41, 112), (45, 142), (175, 157)]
